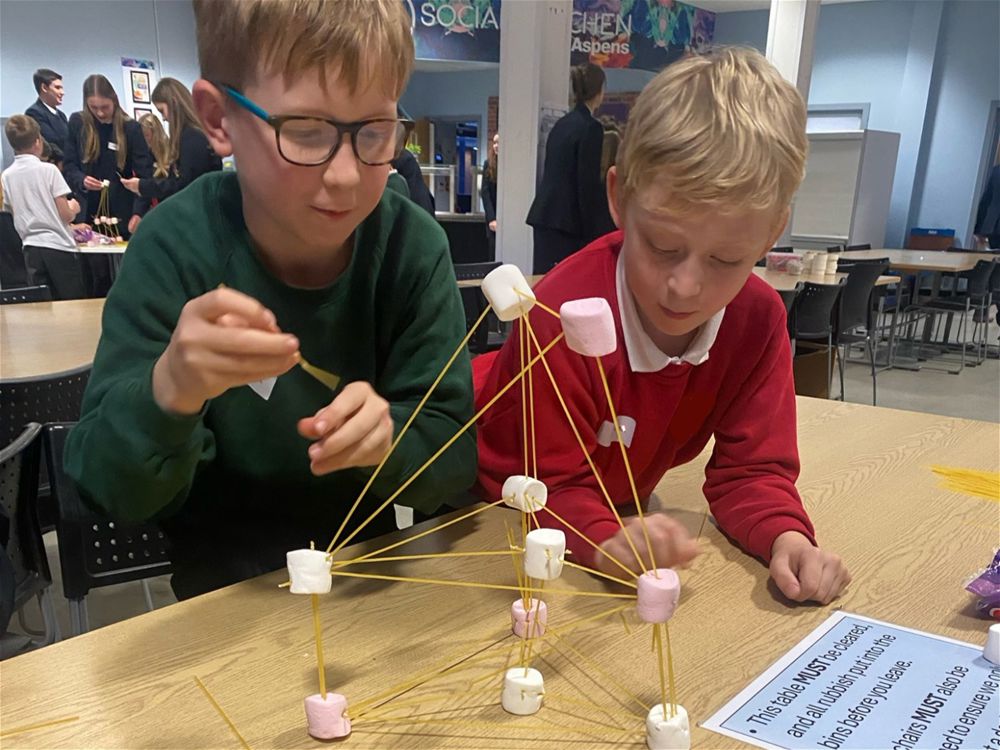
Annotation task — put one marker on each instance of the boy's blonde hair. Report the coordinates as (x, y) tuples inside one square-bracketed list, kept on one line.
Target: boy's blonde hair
[(22, 132), (364, 40), (722, 129)]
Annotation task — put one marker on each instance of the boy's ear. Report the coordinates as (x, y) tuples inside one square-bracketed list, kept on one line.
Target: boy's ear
[(210, 103), (614, 194)]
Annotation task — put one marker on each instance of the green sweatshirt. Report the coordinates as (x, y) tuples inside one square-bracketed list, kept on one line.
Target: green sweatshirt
[(231, 486)]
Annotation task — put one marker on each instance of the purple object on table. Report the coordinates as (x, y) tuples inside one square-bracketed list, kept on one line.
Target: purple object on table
[(986, 586)]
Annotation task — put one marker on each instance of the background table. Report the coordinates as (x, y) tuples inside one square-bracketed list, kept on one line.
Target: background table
[(787, 281), (866, 482), (922, 260), (43, 338)]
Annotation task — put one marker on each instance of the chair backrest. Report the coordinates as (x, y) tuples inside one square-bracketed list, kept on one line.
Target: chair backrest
[(995, 283), (18, 495), (51, 398), (834, 248), (474, 302), (813, 309), (979, 277), (94, 551), (783, 249), (865, 246), (856, 299), (25, 294)]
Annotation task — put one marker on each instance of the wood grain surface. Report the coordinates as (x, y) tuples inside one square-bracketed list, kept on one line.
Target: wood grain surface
[(43, 338)]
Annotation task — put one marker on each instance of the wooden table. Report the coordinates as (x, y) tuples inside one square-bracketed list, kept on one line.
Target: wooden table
[(785, 281), (42, 338), (865, 480), (923, 260)]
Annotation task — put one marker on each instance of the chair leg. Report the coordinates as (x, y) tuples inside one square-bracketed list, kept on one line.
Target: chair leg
[(79, 622), (840, 368), (52, 633), (147, 594), (871, 358), (829, 364)]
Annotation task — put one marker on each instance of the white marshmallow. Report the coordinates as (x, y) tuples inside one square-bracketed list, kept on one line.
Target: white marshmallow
[(114, 220), (499, 286), (309, 571), (523, 689), (992, 651), (666, 732), (589, 326), (98, 219), (106, 183), (544, 552), (525, 494)]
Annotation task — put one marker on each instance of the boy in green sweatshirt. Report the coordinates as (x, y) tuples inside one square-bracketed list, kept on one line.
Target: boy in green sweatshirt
[(198, 414)]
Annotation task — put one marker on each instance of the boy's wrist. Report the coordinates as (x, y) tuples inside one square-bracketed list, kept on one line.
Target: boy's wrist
[(167, 395)]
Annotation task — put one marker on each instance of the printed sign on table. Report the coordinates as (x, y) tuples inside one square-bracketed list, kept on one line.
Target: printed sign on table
[(856, 684)]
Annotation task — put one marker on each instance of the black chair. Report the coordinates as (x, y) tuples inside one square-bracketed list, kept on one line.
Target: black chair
[(856, 320), (13, 272), (834, 248), (975, 298), (94, 551), (812, 317), (487, 337), (25, 294), (52, 398), (22, 537), (865, 246)]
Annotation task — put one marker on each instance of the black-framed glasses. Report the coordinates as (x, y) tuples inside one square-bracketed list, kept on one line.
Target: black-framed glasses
[(312, 141)]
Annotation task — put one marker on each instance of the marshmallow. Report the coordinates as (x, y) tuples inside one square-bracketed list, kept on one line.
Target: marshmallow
[(544, 551), (992, 651), (105, 183), (657, 598), (309, 571), (530, 622), (326, 717), (499, 286), (525, 494), (589, 326), (666, 732), (523, 688), (98, 219), (114, 220)]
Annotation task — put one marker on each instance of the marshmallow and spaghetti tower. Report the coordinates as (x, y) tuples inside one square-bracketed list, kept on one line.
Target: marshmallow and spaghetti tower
[(539, 554)]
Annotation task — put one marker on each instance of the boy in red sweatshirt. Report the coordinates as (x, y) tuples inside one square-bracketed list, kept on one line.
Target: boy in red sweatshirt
[(714, 151)]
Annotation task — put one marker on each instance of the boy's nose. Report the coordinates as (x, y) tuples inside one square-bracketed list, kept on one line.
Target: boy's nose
[(343, 170), (685, 280)]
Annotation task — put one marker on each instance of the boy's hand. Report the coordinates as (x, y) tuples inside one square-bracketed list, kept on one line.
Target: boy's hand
[(672, 547), (131, 183), (223, 339), (133, 223), (92, 183), (354, 430), (804, 572)]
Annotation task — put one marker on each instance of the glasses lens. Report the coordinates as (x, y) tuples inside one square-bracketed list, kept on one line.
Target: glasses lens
[(307, 141), (379, 142)]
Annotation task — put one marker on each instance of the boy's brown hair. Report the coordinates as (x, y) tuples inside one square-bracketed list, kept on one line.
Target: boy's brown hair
[(22, 132), (364, 40), (722, 129)]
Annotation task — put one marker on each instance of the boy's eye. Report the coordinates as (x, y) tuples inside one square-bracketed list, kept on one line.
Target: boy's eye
[(724, 262)]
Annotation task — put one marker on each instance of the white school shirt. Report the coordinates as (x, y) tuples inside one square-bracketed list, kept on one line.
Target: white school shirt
[(30, 189)]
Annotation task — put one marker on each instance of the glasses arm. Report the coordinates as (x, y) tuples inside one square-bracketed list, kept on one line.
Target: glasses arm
[(247, 104)]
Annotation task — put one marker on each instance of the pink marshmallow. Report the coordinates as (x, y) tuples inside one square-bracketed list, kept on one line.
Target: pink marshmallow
[(589, 326), (658, 595), (326, 717), (523, 622)]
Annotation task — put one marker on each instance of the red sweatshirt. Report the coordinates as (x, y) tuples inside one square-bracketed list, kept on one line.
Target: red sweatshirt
[(743, 395)]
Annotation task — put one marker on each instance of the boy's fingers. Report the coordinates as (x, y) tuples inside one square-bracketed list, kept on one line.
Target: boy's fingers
[(342, 408), (365, 421), (784, 578), (212, 305), (810, 575), (367, 452), (249, 342)]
